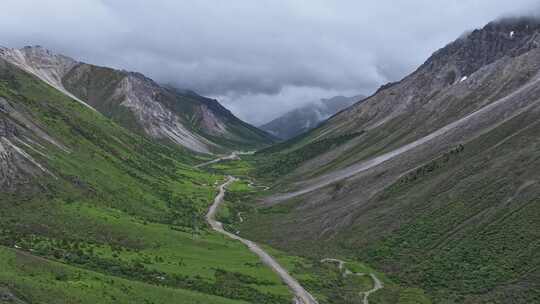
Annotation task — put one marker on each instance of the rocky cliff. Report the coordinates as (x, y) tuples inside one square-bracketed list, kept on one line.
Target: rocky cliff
[(140, 104)]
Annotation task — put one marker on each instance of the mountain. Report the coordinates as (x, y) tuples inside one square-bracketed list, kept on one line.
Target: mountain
[(95, 213), (140, 104), (434, 179), (305, 118)]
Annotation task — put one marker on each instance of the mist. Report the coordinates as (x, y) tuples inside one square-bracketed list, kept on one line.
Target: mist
[(259, 58)]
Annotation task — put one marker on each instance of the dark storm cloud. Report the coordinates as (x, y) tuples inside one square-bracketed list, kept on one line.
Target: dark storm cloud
[(261, 57)]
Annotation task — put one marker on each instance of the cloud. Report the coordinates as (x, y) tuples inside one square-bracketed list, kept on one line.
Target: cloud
[(262, 57), (255, 107)]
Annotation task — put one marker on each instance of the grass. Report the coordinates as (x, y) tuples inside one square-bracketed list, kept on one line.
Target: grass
[(238, 168), (240, 186), (324, 280), (461, 228), (273, 164), (37, 280), (327, 284), (123, 209), (475, 240)]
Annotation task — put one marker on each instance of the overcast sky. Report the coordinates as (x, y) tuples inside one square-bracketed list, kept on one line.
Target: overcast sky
[(260, 58)]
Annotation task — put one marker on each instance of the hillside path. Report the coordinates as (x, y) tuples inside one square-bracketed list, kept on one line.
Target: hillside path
[(301, 296), (377, 284)]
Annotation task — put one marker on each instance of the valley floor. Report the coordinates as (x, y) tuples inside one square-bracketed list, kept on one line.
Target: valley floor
[(325, 280), (300, 294)]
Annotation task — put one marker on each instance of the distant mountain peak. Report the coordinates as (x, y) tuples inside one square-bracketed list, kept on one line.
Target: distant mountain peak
[(139, 103), (309, 116), (505, 37)]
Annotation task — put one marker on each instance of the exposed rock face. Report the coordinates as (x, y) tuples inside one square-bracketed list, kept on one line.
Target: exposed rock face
[(7, 129), (139, 103), (140, 95), (447, 157), (6, 296), (410, 122), (16, 166), (303, 119), (445, 69), (13, 170), (42, 63), (210, 122), (511, 37)]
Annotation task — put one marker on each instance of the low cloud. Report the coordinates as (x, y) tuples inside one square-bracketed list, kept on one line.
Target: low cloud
[(261, 58)]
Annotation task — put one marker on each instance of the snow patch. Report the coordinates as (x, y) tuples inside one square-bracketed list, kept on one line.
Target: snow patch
[(463, 78)]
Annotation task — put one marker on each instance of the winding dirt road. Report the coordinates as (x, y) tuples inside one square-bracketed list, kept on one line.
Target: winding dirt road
[(377, 284), (301, 296)]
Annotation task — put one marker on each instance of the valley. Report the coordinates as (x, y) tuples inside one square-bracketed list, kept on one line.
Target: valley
[(301, 295), (430, 180), (93, 212), (121, 221), (120, 189), (328, 282)]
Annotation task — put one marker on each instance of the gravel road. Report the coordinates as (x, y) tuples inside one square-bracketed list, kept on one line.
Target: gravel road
[(301, 296)]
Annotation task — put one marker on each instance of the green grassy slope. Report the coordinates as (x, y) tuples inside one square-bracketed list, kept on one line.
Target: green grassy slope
[(32, 279), (456, 215), (240, 214), (122, 222), (282, 159), (469, 222), (464, 227), (97, 86)]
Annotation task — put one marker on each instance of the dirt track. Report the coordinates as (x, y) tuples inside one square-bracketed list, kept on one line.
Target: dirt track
[(301, 296), (377, 284)]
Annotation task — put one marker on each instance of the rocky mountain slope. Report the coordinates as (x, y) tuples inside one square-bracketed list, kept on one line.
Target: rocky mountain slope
[(94, 213), (305, 118), (138, 103), (433, 179)]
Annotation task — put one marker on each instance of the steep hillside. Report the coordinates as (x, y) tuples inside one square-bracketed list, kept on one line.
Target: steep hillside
[(138, 103), (93, 213), (305, 118), (433, 179)]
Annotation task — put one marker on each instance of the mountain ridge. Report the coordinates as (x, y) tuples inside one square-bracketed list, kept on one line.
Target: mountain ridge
[(87, 202), (441, 173), (140, 104)]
